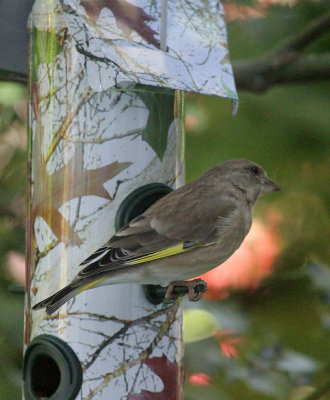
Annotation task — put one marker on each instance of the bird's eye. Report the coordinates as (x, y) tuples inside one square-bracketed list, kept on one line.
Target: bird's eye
[(255, 169)]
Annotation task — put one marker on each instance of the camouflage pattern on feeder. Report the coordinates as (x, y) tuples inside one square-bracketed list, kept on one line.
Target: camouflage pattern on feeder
[(119, 44), (91, 145)]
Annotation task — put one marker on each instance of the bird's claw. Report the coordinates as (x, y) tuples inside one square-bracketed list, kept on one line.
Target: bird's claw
[(196, 288)]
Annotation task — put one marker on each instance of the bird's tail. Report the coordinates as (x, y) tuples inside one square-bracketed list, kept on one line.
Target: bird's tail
[(55, 301)]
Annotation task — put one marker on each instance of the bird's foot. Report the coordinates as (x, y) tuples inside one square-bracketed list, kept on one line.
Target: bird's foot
[(196, 288)]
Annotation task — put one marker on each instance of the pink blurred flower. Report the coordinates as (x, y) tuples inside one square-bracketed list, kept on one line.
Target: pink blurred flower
[(228, 344), (191, 122), (200, 379), (249, 264), (16, 266)]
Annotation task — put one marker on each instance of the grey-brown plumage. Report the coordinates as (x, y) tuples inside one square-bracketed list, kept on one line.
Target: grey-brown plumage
[(186, 233)]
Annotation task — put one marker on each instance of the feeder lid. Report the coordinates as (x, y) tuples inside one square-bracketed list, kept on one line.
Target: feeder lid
[(119, 44)]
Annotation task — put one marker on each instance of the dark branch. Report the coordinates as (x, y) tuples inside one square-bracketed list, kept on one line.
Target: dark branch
[(307, 68), (259, 75), (313, 30), (287, 64), (9, 76)]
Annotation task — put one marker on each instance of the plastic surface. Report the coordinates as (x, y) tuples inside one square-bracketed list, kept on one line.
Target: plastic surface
[(138, 201), (51, 370), (88, 151)]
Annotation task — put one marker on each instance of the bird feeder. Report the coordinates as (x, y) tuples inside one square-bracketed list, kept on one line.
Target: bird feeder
[(106, 127)]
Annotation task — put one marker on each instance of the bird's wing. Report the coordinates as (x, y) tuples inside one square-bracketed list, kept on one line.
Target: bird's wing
[(158, 233), (131, 246)]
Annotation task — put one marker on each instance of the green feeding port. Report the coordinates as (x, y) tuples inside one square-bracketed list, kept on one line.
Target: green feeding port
[(138, 201), (132, 206), (51, 370)]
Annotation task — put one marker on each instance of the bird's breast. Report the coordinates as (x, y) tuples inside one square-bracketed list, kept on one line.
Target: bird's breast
[(233, 231)]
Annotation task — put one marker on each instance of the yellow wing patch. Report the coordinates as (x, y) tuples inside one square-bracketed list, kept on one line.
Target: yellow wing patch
[(171, 251), (90, 285)]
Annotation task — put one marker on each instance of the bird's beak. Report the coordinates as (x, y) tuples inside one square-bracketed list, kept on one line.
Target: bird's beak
[(269, 186)]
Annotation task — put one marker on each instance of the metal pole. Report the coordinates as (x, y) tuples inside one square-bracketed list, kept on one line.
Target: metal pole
[(89, 151)]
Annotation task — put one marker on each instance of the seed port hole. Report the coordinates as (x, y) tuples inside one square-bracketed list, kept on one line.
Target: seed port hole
[(45, 376)]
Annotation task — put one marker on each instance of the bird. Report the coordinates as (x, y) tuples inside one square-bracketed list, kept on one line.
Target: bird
[(184, 234)]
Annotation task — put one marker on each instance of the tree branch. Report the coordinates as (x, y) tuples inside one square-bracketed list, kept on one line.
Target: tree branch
[(313, 30), (287, 64), (259, 75), (10, 76)]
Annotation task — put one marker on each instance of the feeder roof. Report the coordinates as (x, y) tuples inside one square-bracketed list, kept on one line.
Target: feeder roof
[(118, 42)]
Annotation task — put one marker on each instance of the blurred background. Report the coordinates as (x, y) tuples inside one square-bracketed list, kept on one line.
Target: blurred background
[(263, 331)]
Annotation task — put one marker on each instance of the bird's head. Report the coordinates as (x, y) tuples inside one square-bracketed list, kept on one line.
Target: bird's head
[(248, 177)]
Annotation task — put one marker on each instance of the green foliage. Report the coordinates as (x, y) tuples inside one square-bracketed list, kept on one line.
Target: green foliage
[(10, 94), (11, 344), (285, 322), (12, 210)]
